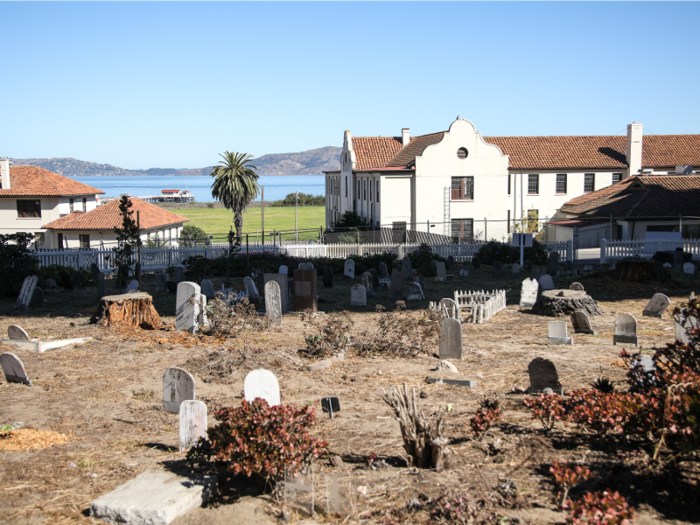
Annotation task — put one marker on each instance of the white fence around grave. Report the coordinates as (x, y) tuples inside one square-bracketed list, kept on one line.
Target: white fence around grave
[(615, 250), (155, 259), (479, 306)]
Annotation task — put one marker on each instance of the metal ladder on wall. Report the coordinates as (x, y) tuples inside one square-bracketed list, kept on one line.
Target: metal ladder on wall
[(446, 213)]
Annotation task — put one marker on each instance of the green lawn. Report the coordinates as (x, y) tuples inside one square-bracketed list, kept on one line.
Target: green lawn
[(219, 221)]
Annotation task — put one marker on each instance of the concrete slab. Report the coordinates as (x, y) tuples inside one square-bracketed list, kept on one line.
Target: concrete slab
[(456, 382), (153, 497), (42, 346)]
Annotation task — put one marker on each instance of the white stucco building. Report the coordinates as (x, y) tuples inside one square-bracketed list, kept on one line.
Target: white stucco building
[(460, 184)]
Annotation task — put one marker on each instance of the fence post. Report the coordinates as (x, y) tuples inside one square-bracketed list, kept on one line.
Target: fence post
[(603, 259), (570, 250), (80, 260)]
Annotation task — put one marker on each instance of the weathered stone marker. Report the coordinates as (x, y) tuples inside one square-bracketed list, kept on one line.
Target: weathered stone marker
[(79, 280), (689, 268), (95, 270), (577, 287), (66, 281), (349, 268), (13, 368), (450, 308), (187, 307), (178, 386), (582, 323), (516, 269), (327, 277), (656, 306), (383, 272), (368, 283), (273, 302), (283, 269), (558, 334), (193, 423), (263, 384), (305, 295), (407, 266), (37, 298), (625, 330), (208, 288), (179, 274), (24, 298), (553, 264), (678, 260), (283, 282), (682, 328), (132, 287), (358, 295), (546, 282), (451, 339), (543, 374), (250, 288), (375, 278), (440, 270), (415, 292), (17, 332), (161, 282), (528, 293), (396, 289)]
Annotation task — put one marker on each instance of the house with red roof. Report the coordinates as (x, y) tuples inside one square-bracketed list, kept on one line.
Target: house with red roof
[(31, 196), (465, 186)]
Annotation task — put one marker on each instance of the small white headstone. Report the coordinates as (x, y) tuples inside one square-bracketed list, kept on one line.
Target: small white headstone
[(193, 423), (24, 298), (625, 330), (358, 295), (263, 384), (17, 332), (14, 369), (133, 286), (178, 386), (349, 268), (656, 306), (187, 305), (528, 293), (689, 268), (558, 333), (546, 282), (251, 288)]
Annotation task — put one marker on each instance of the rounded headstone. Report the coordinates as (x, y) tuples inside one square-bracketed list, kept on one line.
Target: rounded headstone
[(17, 332), (262, 384)]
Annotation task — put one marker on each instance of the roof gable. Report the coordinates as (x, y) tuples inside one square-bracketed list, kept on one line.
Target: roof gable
[(33, 181)]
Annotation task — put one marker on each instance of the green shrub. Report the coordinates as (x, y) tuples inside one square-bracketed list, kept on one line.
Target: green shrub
[(422, 258), (53, 271), (502, 251), (16, 262)]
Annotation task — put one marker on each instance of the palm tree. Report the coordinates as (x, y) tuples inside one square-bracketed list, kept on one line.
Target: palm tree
[(235, 186)]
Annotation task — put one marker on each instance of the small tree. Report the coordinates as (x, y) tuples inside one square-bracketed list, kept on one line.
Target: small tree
[(192, 235), (128, 239), (351, 219)]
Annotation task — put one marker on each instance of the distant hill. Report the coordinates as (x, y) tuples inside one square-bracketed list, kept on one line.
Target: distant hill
[(311, 162)]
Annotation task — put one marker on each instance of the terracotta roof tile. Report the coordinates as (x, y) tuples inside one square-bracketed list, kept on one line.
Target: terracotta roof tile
[(375, 152), (415, 148), (36, 181), (642, 196), (108, 217)]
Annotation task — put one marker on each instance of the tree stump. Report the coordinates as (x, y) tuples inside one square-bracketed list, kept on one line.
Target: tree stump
[(640, 271), (129, 311), (564, 302)]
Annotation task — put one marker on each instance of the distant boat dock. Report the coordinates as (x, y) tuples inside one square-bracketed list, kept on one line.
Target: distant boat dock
[(170, 196)]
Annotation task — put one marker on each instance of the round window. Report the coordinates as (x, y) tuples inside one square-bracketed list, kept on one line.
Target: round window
[(462, 153)]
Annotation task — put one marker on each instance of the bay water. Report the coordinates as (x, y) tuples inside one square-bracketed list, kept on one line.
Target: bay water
[(277, 187)]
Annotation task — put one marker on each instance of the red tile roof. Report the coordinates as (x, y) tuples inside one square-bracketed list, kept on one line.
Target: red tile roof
[(641, 196), (567, 152), (108, 217), (38, 182)]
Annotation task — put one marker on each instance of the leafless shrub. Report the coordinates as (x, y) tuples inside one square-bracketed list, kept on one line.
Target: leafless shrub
[(331, 334), (229, 320)]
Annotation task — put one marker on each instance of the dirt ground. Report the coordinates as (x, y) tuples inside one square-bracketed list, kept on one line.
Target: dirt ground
[(106, 395)]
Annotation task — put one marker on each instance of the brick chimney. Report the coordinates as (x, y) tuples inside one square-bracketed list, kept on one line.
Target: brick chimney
[(5, 174), (405, 136), (634, 148)]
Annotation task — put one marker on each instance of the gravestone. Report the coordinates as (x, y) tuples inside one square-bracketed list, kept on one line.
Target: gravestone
[(14, 369), (588, 268), (678, 260), (305, 294), (558, 333), (283, 283), (101, 286), (667, 265), (546, 282), (66, 281), (553, 264), (178, 274), (305, 266), (381, 269), (327, 277), (132, 287), (497, 269), (358, 295), (569, 266), (375, 278), (17, 332), (407, 266), (162, 282), (451, 339), (349, 268), (330, 405), (171, 286), (682, 328), (516, 269), (79, 280), (283, 269), (95, 270), (202, 319), (262, 384), (51, 284), (527, 266), (450, 308), (577, 286), (689, 268), (581, 323), (476, 263), (656, 306), (538, 274), (250, 288), (625, 330), (543, 374), (187, 306), (193, 423), (24, 298), (37, 298), (273, 302), (178, 386), (396, 289), (415, 292), (208, 289), (464, 272), (368, 283), (440, 270), (528, 293)]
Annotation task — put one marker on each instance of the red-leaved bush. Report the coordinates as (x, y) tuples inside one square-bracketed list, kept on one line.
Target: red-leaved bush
[(488, 413), (256, 438), (567, 478), (600, 508)]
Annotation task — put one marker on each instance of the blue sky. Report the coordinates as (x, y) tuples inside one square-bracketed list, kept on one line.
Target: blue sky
[(164, 84)]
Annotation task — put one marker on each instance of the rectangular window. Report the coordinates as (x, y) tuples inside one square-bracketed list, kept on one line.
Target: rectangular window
[(84, 204), (377, 191), (533, 184), (59, 238), (39, 240), (691, 231), (589, 182), (364, 195), (398, 226), (616, 177), (370, 191), (561, 182), (462, 230), (71, 204), (509, 184), (84, 241), (359, 190), (463, 188), (27, 209)]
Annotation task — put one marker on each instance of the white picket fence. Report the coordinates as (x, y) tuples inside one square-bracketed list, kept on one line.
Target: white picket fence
[(615, 250), (154, 259), (479, 306)]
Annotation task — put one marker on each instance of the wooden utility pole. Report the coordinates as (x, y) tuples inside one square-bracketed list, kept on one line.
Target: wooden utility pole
[(138, 247), (296, 216), (262, 212)]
